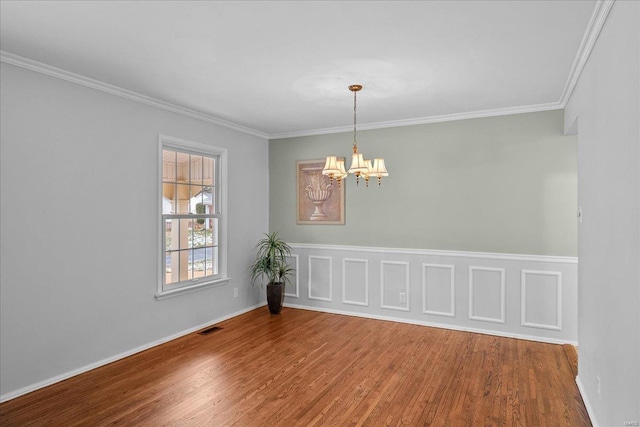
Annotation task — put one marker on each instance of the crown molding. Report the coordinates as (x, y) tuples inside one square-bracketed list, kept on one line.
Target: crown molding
[(425, 120), (596, 23), (598, 18), (59, 73)]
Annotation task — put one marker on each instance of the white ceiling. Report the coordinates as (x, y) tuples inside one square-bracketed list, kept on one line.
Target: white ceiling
[(282, 68)]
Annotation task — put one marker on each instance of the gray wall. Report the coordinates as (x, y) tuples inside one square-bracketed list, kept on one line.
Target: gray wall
[(606, 107), (79, 227), (501, 184)]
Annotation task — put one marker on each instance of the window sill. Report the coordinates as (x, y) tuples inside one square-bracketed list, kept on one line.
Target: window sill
[(188, 289)]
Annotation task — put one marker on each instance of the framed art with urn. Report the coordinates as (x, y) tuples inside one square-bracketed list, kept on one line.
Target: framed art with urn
[(320, 201)]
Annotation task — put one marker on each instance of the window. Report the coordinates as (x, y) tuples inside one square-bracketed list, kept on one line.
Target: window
[(193, 220)]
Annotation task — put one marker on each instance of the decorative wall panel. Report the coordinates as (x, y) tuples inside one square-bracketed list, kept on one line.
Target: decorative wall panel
[(438, 290), (394, 285), (541, 299), (292, 289), (355, 281), (487, 294), (320, 278)]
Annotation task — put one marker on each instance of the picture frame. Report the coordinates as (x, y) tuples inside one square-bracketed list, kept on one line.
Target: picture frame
[(319, 200)]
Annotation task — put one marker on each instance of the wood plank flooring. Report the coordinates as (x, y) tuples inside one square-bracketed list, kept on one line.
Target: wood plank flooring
[(304, 368)]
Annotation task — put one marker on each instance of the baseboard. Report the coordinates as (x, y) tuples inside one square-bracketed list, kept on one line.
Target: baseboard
[(33, 387), (587, 403), (434, 325)]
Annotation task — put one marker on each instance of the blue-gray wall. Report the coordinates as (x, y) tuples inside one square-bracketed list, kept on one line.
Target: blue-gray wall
[(501, 184)]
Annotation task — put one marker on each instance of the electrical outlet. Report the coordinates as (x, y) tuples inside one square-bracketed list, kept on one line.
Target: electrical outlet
[(235, 292), (403, 297), (598, 386)]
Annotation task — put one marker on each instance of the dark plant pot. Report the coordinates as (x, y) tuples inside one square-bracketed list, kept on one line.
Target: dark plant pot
[(275, 297)]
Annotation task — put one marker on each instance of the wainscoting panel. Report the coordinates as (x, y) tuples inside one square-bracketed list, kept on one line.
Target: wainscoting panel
[(355, 281), (542, 299), (524, 296), (438, 289), (394, 286), (292, 289), (486, 294), (320, 282)]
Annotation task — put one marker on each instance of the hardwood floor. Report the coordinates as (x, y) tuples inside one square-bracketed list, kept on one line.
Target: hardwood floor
[(303, 368)]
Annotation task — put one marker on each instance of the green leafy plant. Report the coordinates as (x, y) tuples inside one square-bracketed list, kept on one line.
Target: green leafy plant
[(285, 272), (200, 210), (271, 261)]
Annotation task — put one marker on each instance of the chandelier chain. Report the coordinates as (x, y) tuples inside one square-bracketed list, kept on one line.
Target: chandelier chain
[(355, 143)]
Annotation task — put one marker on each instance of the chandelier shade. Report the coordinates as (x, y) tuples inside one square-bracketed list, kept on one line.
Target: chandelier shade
[(331, 166), (378, 170), (342, 173), (358, 164)]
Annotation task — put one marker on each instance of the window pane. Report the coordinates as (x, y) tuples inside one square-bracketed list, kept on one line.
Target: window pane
[(167, 270), (172, 271), (168, 165), (182, 167), (214, 231), (182, 198), (207, 171), (208, 264), (184, 257), (197, 199), (171, 237), (186, 227), (214, 256), (199, 236), (196, 170), (168, 198), (199, 258), (190, 264), (172, 255), (208, 199)]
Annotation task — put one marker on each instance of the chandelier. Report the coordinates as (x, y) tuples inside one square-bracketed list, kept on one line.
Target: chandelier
[(334, 168)]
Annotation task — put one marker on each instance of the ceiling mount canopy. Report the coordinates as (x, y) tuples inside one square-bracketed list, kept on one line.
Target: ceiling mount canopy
[(334, 168)]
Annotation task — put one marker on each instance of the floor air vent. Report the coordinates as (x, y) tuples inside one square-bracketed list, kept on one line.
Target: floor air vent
[(209, 330)]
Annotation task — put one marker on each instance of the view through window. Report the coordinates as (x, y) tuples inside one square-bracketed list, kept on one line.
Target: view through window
[(191, 218)]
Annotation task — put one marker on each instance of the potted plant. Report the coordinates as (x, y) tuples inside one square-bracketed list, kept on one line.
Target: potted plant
[(271, 263)]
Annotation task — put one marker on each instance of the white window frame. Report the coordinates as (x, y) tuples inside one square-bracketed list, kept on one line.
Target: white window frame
[(222, 278)]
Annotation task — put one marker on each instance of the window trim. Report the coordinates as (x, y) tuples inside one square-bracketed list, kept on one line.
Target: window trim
[(193, 147)]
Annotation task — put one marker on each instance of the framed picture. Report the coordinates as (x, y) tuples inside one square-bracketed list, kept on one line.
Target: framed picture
[(320, 201)]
